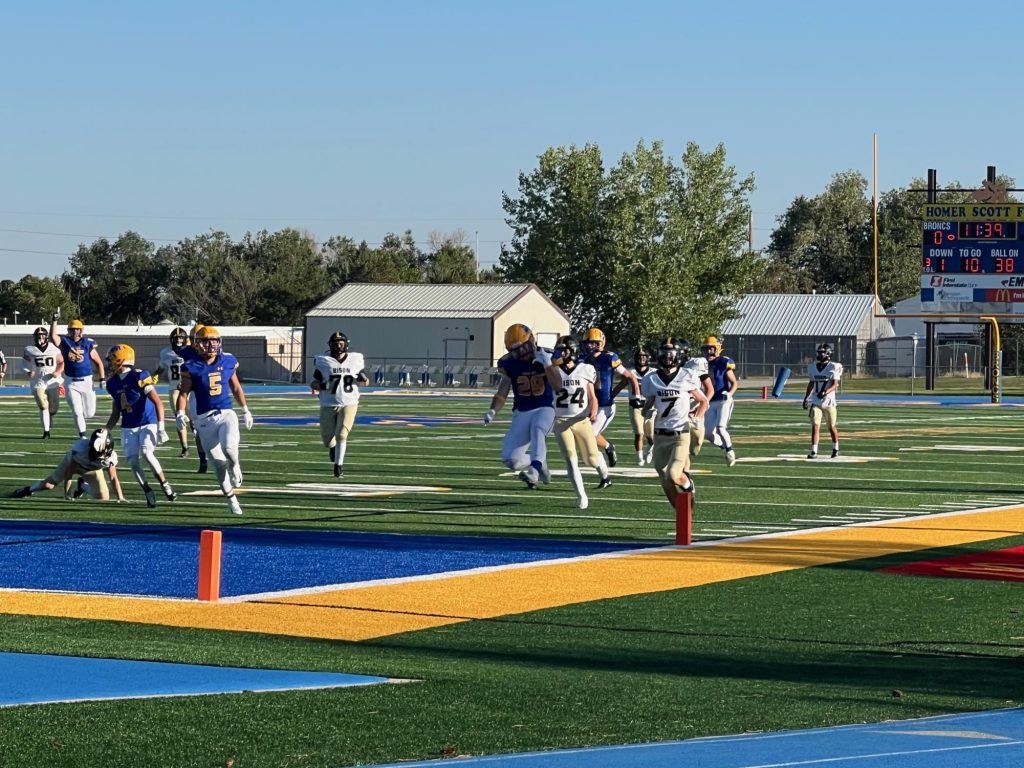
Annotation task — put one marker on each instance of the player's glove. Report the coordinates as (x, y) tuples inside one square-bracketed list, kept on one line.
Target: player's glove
[(805, 405), (181, 421), (489, 416), (103, 382), (636, 402), (647, 413), (161, 434), (247, 419), (556, 356), (55, 316), (542, 356)]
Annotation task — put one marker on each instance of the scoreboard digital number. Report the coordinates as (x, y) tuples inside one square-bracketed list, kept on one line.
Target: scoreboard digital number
[(973, 240)]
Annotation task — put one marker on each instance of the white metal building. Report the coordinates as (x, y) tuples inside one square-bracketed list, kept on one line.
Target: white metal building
[(265, 353), (783, 329), (441, 327)]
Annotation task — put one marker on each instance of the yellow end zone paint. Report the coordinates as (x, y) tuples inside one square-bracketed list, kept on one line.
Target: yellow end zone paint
[(365, 612)]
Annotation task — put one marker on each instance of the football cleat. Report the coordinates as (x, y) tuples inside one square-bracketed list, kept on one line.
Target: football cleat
[(150, 498), (613, 457), (526, 478), (544, 474), (812, 455), (79, 489), (649, 456), (168, 491), (730, 457), (233, 506), (835, 452), (46, 435), (22, 493), (184, 452), (582, 502), (605, 482), (202, 468), (338, 471)]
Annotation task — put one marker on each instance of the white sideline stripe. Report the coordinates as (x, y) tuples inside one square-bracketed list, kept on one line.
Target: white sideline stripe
[(598, 556)]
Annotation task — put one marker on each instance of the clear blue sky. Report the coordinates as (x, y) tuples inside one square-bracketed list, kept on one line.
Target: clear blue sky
[(360, 118)]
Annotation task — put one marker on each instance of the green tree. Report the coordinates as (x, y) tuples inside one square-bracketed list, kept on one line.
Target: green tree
[(35, 299), (290, 272), (450, 259), (650, 248), (826, 240), (119, 282), (197, 288)]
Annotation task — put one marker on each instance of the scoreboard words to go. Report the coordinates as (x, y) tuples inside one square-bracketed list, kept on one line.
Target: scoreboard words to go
[(972, 253)]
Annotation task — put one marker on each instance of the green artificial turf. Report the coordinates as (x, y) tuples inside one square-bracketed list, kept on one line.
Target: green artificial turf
[(828, 645)]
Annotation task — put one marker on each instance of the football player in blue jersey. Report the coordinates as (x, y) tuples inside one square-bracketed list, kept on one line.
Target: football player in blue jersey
[(188, 352), (608, 366), (139, 409), (722, 370), (522, 372), (212, 375), (80, 355)]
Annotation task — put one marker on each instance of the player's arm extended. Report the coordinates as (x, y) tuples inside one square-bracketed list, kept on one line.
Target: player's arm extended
[(702, 402), (502, 394)]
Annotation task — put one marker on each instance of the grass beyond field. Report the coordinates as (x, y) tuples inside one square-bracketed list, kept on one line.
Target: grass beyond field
[(814, 646)]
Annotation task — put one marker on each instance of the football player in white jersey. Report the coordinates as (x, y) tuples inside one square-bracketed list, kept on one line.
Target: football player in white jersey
[(88, 457), (337, 375), (44, 364), (168, 368), (668, 391), (699, 365), (575, 412), (643, 426), (823, 380)]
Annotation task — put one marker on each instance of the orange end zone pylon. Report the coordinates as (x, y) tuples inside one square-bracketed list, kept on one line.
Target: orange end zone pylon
[(684, 518), (209, 566)]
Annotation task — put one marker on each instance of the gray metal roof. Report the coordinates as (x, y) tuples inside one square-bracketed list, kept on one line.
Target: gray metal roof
[(466, 300), (797, 314)]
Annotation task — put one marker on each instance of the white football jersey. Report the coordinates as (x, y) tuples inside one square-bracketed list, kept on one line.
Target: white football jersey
[(338, 383), (639, 375), (671, 399), (169, 366), (79, 451), (822, 379), (41, 362), (698, 365), (571, 398)]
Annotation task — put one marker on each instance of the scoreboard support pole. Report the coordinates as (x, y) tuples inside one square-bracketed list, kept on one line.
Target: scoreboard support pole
[(995, 359)]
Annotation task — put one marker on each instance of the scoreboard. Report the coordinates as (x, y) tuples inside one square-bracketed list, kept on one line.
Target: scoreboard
[(972, 257)]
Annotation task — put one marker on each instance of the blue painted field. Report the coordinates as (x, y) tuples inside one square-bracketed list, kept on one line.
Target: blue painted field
[(162, 561)]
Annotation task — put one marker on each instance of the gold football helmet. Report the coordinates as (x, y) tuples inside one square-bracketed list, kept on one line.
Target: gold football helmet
[(76, 330), (519, 340), (119, 356), (208, 340), (711, 347), (192, 333), (594, 340)]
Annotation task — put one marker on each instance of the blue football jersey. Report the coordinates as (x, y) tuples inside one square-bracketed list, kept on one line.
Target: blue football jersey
[(530, 388), (131, 394), (210, 381), (716, 370), (77, 362), (605, 363)]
